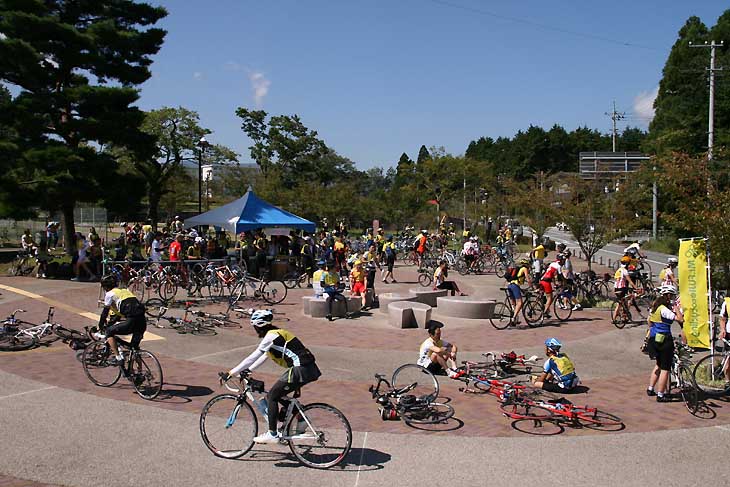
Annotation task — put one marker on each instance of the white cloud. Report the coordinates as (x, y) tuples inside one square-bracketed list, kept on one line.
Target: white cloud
[(644, 104), (197, 75), (260, 86)]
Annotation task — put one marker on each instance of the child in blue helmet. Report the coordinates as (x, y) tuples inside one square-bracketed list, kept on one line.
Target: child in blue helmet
[(558, 372)]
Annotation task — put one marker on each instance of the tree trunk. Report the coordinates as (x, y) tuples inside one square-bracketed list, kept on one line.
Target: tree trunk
[(67, 212), (154, 196)]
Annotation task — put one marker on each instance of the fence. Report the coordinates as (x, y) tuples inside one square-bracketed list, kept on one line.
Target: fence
[(85, 217)]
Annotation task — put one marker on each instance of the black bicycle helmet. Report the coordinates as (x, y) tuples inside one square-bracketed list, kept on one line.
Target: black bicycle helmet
[(108, 281)]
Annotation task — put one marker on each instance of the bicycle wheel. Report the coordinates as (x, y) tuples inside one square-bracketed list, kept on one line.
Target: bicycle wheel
[(146, 374), (274, 292), (599, 420), (96, 366), (431, 413), (500, 268), (690, 394), (526, 410), (501, 316), (202, 328), (322, 440), (228, 426), (602, 291), (167, 289), (424, 279), (425, 385), (67, 334), (562, 308), (137, 287), (709, 376), (534, 312), (214, 288), (15, 343), (618, 318)]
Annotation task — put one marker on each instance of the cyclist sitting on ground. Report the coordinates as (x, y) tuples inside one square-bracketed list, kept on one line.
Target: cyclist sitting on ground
[(287, 351), (661, 343), (558, 372), (128, 317), (515, 293), (622, 282), (436, 355)]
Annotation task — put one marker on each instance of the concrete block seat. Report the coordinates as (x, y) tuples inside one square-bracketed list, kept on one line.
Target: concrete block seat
[(318, 306), (408, 314), (305, 304), (427, 295), (469, 307), (386, 298)]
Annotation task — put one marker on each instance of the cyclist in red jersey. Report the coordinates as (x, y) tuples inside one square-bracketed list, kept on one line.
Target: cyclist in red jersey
[(175, 249), (551, 273)]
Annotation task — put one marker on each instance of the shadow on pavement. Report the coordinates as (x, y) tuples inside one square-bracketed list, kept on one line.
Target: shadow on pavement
[(451, 424), (182, 393), (359, 459)]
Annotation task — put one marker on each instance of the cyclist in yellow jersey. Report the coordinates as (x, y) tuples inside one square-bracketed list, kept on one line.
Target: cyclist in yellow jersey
[(515, 292), (287, 351), (128, 317), (558, 374)]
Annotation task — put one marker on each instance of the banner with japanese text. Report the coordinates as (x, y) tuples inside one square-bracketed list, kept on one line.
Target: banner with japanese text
[(693, 292)]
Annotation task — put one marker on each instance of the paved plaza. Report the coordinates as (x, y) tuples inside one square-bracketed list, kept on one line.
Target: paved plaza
[(59, 429)]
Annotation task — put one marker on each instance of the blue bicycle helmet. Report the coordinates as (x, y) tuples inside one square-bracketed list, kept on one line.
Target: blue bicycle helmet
[(553, 344)]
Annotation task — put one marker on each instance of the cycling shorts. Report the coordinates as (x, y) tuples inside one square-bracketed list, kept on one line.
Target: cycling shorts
[(547, 287), (358, 288), (514, 291)]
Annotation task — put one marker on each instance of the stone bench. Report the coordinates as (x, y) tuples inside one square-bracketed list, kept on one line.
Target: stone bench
[(318, 306), (408, 314), (427, 295), (386, 298), (305, 304), (465, 307)]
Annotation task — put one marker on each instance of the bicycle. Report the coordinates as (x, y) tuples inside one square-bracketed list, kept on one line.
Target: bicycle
[(273, 292), (318, 434), (496, 367), (712, 373), (197, 326), (532, 311), (140, 367), (23, 264), (621, 317), (681, 377), (396, 402)]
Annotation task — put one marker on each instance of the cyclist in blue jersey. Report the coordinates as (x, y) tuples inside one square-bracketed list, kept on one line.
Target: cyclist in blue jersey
[(558, 372), (661, 343)]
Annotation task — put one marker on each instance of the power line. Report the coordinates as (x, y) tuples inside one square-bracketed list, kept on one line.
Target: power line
[(542, 26)]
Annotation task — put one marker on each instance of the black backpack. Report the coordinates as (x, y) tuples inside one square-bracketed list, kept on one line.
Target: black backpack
[(511, 273)]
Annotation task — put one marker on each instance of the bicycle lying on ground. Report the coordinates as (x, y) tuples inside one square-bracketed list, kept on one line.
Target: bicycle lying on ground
[(499, 366), (398, 402), (139, 367), (318, 434), (18, 335)]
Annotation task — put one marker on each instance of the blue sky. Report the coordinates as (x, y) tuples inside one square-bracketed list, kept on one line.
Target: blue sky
[(378, 78)]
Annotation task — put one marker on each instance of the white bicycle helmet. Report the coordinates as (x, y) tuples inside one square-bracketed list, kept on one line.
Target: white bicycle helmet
[(672, 260), (667, 289), (261, 318)]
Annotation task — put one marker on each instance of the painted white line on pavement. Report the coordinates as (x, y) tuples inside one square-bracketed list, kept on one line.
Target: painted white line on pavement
[(571, 243), (341, 370), (723, 427), (362, 455), (28, 392), (221, 352)]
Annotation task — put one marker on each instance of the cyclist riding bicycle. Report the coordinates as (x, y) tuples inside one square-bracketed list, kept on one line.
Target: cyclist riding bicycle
[(558, 372), (285, 350), (127, 317), (666, 276), (622, 283)]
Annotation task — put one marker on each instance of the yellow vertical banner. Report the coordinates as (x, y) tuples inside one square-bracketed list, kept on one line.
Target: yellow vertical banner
[(693, 292)]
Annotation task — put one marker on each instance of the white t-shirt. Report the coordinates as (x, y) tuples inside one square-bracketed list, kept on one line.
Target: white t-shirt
[(668, 277), (622, 282), (155, 255), (424, 355)]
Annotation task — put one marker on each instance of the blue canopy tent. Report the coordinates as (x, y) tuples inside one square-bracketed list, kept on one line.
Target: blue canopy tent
[(248, 213)]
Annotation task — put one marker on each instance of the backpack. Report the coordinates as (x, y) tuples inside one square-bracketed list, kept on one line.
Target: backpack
[(511, 273)]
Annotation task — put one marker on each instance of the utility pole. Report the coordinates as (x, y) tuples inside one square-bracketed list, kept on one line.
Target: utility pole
[(711, 116), (615, 117)]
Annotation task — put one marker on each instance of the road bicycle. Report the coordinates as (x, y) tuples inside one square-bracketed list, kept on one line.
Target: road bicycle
[(680, 379), (250, 287), (18, 335), (532, 311), (531, 414), (318, 434), (712, 373), (622, 316), (399, 402), (499, 366), (140, 367), (195, 326), (23, 264), (297, 278)]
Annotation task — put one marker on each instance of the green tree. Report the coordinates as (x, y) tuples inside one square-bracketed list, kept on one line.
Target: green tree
[(77, 65)]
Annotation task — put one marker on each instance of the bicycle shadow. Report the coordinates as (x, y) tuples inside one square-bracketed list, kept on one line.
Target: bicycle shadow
[(182, 393), (358, 459), (451, 424)]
